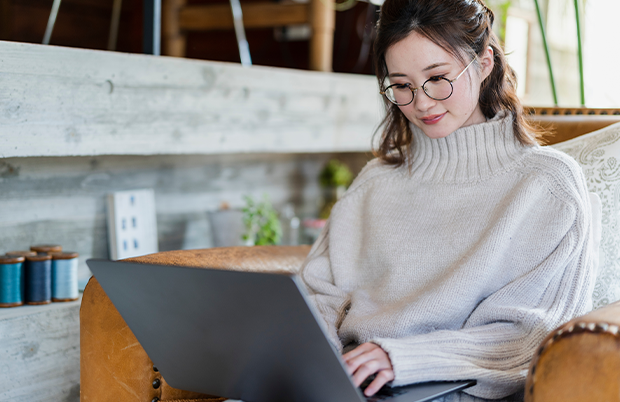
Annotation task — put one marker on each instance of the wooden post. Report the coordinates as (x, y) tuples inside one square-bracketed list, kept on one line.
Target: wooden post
[(322, 22), (174, 38)]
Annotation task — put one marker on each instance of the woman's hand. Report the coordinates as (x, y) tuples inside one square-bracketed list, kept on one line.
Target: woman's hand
[(366, 360)]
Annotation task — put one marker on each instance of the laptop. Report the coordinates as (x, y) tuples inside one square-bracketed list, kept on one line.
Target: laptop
[(249, 336)]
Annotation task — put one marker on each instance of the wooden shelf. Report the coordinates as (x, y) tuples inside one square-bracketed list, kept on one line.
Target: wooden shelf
[(13, 312), (74, 102)]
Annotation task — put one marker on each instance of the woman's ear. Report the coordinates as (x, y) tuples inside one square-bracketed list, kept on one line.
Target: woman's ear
[(487, 61)]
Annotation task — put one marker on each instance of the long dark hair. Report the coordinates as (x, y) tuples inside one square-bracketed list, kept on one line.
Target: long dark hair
[(464, 29)]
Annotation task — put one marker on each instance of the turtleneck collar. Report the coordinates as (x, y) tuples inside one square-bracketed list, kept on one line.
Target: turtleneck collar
[(469, 154)]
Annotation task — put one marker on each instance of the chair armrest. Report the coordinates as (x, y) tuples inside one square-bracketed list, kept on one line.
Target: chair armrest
[(567, 123), (114, 366), (579, 361)]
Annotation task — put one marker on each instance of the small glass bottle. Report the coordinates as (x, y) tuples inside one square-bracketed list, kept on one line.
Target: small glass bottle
[(290, 226)]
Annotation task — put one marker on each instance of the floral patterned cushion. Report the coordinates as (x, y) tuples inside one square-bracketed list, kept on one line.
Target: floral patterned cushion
[(598, 153)]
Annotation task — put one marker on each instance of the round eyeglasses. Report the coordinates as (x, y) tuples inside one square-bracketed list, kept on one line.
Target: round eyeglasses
[(437, 88)]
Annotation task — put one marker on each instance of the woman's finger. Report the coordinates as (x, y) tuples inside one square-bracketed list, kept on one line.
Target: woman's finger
[(382, 378), (364, 371), (354, 363), (366, 360), (358, 356), (363, 348), (369, 368)]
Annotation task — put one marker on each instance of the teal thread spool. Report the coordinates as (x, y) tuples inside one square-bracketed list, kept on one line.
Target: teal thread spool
[(39, 279), (64, 276), (22, 253), (11, 281)]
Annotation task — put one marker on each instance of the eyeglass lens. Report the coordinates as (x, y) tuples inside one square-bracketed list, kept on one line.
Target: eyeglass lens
[(438, 88)]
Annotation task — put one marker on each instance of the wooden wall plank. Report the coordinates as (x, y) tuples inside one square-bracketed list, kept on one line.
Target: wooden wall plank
[(70, 102)]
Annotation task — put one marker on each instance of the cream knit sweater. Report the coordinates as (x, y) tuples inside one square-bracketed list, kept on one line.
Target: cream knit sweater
[(459, 264)]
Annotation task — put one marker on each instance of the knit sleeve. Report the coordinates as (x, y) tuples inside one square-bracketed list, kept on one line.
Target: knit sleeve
[(316, 272), (330, 301), (499, 338)]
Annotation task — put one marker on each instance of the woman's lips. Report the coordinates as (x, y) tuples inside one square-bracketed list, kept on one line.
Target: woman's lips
[(433, 119)]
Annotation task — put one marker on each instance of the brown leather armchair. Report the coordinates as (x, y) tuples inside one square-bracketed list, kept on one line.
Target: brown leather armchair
[(580, 361)]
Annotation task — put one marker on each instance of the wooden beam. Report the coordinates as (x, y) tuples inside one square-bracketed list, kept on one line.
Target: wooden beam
[(323, 23), (256, 15), (174, 39), (70, 102)]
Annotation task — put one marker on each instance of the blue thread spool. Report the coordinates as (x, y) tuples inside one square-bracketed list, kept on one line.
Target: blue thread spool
[(39, 279), (22, 253), (64, 276), (46, 248), (11, 281)]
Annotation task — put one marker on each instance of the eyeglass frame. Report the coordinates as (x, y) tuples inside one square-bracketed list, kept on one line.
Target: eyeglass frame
[(415, 90)]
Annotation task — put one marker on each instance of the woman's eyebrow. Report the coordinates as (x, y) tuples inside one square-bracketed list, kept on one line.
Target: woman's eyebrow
[(435, 65), (432, 66)]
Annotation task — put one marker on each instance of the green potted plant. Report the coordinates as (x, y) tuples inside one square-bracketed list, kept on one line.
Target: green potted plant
[(262, 225), (334, 178)]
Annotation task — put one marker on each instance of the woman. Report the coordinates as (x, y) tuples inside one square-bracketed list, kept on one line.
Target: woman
[(464, 242)]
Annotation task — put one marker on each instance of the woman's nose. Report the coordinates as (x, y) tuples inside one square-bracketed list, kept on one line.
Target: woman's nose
[(422, 102)]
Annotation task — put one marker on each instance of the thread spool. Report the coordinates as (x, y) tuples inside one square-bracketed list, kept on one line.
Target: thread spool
[(39, 279), (11, 281), (46, 248), (64, 276), (22, 253)]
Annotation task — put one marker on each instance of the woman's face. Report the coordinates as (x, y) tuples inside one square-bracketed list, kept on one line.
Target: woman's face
[(414, 60)]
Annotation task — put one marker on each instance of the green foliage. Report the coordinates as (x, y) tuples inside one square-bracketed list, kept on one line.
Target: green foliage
[(262, 226), (500, 9), (335, 174), (334, 178)]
